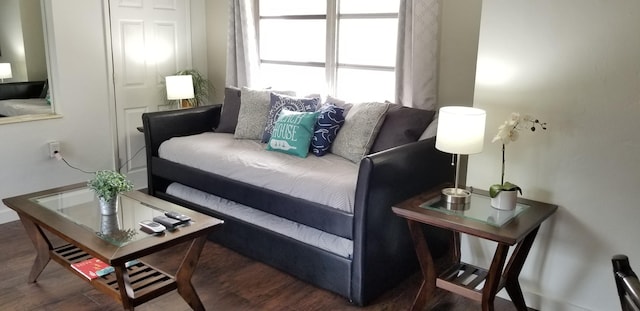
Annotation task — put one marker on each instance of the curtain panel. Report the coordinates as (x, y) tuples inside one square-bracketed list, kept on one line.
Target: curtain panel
[(418, 53), (243, 63)]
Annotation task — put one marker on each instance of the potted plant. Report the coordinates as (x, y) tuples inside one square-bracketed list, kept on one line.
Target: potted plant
[(107, 185), (504, 195), (200, 87)]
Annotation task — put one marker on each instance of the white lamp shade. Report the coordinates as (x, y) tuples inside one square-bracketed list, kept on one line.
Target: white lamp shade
[(460, 130), (179, 87), (5, 71)]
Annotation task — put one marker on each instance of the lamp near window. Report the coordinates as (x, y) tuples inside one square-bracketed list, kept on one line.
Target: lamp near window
[(5, 71), (180, 88), (460, 131)]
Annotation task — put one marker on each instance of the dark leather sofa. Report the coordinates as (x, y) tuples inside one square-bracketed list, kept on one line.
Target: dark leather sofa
[(383, 253), (22, 90)]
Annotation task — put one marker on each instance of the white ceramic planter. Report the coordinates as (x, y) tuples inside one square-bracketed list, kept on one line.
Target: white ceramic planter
[(505, 200)]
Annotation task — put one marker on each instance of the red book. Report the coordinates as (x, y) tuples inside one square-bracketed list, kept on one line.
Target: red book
[(89, 267)]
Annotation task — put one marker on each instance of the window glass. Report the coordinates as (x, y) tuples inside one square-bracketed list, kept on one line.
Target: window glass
[(292, 7), (292, 40), (358, 85), (369, 6), (375, 46), (304, 80)]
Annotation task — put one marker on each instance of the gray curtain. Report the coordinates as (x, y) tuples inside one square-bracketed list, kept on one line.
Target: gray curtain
[(417, 55), (242, 45)]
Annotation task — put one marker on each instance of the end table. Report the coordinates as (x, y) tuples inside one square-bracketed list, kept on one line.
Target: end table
[(508, 228)]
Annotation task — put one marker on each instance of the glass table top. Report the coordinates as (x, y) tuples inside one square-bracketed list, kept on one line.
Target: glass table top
[(81, 207), (479, 209)]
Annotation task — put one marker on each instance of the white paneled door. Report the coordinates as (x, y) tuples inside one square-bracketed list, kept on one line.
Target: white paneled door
[(150, 40)]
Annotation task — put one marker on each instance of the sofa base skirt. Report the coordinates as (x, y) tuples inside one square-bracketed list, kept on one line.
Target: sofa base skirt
[(308, 263)]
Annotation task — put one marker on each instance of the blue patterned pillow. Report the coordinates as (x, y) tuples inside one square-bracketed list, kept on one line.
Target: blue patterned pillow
[(283, 102), (326, 129)]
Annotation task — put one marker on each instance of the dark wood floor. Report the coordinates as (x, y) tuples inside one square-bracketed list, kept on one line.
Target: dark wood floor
[(224, 280)]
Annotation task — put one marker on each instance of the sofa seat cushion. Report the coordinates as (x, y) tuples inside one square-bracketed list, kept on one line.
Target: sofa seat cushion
[(318, 238), (329, 180)]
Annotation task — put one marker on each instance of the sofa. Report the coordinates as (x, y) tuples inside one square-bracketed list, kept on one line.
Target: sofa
[(358, 253), (20, 98)]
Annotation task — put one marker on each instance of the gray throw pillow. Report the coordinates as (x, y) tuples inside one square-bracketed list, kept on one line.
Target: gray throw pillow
[(254, 109), (281, 102), (230, 110), (360, 129), (402, 125)]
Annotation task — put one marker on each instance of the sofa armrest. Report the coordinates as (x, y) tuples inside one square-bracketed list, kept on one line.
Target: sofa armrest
[(383, 247), (162, 125)]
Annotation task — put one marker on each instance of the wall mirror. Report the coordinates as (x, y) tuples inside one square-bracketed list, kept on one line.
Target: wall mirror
[(25, 84)]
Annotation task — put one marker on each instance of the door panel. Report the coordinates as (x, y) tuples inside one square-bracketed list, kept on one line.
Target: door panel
[(150, 40)]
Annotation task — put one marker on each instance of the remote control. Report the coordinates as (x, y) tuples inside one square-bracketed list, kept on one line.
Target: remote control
[(152, 227), (178, 216), (170, 223)]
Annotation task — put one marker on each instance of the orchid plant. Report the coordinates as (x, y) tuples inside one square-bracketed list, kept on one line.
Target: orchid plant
[(508, 132)]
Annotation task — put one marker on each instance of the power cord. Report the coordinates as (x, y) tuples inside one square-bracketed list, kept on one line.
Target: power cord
[(59, 157)]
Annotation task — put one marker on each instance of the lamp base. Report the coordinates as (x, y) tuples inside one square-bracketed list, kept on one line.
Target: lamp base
[(456, 195)]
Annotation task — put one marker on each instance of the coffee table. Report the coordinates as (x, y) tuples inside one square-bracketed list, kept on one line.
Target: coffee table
[(72, 213), (508, 228)]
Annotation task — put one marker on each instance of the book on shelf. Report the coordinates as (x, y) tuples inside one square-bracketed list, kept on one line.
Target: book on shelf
[(94, 267), (110, 269), (89, 267)]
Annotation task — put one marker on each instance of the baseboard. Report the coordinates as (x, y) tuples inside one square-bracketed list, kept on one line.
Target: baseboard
[(537, 302), (8, 215)]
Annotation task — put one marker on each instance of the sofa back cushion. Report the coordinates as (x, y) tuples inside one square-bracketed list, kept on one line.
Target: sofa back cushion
[(230, 110), (402, 125)]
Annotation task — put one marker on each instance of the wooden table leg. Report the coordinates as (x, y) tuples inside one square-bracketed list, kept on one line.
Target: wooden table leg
[(490, 288), (427, 266), (124, 285), (514, 267), (185, 271), (42, 245)]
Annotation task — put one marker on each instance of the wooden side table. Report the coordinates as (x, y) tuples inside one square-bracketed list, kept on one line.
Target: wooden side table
[(507, 228)]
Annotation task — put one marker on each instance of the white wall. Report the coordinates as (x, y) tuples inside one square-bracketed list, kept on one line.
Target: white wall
[(81, 95), (576, 65), (217, 24)]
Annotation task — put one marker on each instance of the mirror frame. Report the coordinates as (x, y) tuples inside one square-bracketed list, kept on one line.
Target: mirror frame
[(49, 49)]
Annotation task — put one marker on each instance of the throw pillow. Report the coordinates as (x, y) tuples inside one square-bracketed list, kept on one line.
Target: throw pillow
[(326, 129), (292, 132), (338, 103), (282, 102), (359, 130), (402, 125), (253, 112), (230, 110)]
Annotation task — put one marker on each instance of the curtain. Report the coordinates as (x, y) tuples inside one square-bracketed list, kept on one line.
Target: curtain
[(242, 45), (417, 54)]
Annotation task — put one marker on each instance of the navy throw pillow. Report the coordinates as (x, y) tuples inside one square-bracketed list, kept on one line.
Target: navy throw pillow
[(329, 122)]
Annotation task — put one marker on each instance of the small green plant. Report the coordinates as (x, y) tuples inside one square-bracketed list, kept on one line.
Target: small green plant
[(108, 184)]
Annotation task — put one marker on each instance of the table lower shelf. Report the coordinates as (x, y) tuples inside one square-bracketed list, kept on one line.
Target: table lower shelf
[(146, 281), (464, 279)]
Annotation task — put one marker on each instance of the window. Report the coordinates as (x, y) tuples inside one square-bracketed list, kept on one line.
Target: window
[(346, 48)]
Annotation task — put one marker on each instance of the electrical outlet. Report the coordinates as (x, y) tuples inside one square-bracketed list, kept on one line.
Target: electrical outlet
[(54, 147)]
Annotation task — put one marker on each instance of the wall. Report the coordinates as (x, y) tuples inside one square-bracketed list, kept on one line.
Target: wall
[(80, 90), (576, 65), (217, 25)]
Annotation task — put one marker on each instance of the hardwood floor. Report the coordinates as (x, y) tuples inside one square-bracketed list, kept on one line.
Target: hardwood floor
[(224, 280)]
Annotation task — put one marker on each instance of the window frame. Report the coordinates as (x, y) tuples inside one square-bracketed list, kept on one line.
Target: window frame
[(331, 64)]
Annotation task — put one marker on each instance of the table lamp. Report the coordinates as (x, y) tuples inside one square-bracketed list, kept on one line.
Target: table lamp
[(180, 88), (5, 71), (460, 131)]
